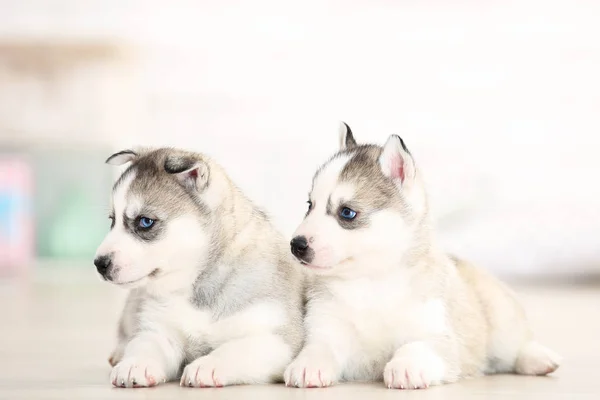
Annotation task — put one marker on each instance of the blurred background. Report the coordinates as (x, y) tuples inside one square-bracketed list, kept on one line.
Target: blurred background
[(498, 101)]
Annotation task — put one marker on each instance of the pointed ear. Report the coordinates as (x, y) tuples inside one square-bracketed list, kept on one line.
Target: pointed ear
[(191, 172), (396, 161), (346, 138), (121, 157)]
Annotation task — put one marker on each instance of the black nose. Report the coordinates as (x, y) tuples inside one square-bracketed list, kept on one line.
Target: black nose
[(299, 246), (102, 264)]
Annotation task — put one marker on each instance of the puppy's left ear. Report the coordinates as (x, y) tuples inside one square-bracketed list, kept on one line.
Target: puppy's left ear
[(346, 138), (122, 157), (396, 161), (191, 172)]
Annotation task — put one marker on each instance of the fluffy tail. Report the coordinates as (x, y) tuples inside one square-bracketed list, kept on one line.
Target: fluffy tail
[(535, 359)]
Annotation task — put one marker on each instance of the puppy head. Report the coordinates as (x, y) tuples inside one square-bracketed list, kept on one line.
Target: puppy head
[(365, 206), (159, 221)]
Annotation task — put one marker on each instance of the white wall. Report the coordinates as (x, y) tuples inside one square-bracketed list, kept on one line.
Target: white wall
[(498, 100)]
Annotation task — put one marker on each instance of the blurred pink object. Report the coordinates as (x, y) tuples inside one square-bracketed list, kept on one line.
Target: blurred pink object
[(16, 215)]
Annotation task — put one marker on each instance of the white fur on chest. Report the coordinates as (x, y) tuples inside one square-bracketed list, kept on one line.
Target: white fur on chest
[(381, 314), (179, 317)]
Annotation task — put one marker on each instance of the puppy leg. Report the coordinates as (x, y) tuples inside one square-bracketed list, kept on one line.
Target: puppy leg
[(148, 359), (415, 365), (126, 327), (535, 359), (255, 359), (321, 361), (315, 366)]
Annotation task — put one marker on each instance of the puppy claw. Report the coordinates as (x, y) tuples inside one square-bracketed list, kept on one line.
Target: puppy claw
[(207, 371), (133, 372), (415, 366), (301, 373)]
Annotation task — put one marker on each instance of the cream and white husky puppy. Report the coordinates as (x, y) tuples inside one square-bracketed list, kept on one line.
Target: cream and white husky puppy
[(386, 303), (213, 287)]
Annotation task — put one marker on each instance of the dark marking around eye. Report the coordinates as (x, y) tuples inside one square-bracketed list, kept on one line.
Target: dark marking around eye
[(347, 213), (145, 223), (360, 220), (146, 235)]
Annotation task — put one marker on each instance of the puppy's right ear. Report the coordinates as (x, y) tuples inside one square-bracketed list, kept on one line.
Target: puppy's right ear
[(396, 161), (191, 172), (346, 139), (121, 157)]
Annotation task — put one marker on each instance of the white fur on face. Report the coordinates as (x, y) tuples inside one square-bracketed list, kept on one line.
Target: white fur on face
[(318, 225), (180, 246), (336, 248), (323, 231)]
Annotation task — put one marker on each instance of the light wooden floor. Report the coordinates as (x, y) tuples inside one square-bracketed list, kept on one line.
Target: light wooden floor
[(55, 338)]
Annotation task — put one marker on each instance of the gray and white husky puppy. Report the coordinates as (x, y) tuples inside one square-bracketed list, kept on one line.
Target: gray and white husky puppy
[(386, 303), (215, 296)]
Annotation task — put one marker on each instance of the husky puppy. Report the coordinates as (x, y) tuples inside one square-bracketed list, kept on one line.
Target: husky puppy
[(212, 284), (385, 302)]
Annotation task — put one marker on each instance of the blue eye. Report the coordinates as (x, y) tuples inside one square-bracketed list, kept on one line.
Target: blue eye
[(347, 213), (145, 223)]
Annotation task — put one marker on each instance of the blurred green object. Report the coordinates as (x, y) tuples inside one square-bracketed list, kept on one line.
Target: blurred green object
[(74, 232), (72, 189)]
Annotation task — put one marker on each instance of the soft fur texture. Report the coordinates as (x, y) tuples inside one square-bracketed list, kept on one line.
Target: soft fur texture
[(385, 303), (215, 297)]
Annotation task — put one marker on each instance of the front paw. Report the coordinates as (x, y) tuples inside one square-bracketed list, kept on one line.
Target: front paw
[(414, 366), (311, 371), (205, 372), (137, 372)]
